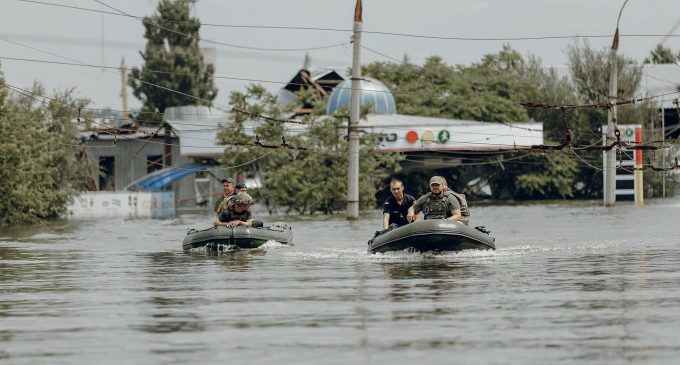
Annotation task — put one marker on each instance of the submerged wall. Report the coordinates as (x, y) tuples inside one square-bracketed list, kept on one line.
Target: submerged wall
[(101, 204)]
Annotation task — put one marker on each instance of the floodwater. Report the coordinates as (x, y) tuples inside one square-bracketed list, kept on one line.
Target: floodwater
[(569, 284)]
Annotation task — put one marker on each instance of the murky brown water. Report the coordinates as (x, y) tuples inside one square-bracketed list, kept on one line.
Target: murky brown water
[(568, 285)]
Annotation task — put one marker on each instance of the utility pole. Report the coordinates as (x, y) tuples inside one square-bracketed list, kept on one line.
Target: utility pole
[(355, 107), (610, 168), (663, 151), (637, 173), (610, 165), (123, 90)]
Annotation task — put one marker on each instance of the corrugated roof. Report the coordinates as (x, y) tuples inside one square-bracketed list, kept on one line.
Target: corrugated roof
[(197, 128)]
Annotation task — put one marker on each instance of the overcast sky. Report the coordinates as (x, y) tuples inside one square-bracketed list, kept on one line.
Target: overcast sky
[(105, 39)]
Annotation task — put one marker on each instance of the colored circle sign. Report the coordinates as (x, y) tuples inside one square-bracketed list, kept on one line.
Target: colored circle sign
[(629, 132), (443, 136), (428, 136), (411, 137)]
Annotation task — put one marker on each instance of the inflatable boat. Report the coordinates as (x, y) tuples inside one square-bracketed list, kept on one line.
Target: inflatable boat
[(433, 235), (243, 237)]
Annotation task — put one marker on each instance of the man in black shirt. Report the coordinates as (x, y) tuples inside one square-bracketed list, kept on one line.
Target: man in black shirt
[(396, 206)]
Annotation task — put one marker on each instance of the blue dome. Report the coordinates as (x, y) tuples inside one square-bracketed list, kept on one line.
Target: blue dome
[(373, 93)]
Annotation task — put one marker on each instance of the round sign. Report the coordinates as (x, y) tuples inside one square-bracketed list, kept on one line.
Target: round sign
[(411, 137), (629, 132), (428, 136), (443, 136)]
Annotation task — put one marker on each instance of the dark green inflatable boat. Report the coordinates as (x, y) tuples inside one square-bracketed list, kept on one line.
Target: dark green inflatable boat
[(238, 237), (433, 235)]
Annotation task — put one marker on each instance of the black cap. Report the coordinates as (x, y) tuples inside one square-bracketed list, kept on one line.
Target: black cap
[(240, 186), (227, 180)]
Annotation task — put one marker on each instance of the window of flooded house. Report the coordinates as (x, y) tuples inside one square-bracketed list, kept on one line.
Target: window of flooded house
[(154, 163), (107, 168)]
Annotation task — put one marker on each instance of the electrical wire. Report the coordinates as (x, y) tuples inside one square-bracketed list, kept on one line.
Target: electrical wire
[(533, 105), (381, 54), (374, 32), (206, 40)]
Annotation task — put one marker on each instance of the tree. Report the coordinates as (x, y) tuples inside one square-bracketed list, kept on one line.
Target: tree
[(590, 72), (436, 89), (172, 61), (492, 90), (662, 54), (309, 173), (41, 162)]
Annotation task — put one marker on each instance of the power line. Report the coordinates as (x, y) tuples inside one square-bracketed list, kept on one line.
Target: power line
[(206, 40), (114, 9), (524, 104), (118, 68), (291, 121), (528, 151), (383, 33), (381, 54)]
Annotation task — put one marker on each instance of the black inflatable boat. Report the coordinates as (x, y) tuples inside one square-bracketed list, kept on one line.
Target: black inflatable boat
[(433, 235), (238, 237)]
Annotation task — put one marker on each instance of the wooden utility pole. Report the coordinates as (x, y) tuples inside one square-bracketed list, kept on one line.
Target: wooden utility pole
[(610, 165), (123, 90), (355, 107), (637, 173), (663, 151)]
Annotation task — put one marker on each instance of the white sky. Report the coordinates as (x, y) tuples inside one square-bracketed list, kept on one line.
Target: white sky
[(104, 39)]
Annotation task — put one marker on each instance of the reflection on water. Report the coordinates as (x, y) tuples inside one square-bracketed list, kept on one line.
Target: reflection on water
[(602, 286)]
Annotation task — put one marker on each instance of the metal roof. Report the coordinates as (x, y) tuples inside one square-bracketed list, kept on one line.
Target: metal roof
[(197, 128), (373, 92), (157, 180)]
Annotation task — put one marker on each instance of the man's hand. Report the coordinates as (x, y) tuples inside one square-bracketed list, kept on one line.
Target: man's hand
[(234, 223), (410, 216)]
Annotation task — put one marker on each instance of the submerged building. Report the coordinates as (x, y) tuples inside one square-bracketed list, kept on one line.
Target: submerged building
[(186, 162)]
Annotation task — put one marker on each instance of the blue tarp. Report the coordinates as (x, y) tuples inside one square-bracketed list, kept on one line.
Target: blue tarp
[(157, 180)]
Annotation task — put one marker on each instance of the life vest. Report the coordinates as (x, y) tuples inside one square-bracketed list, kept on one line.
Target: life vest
[(436, 208), (464, 209)]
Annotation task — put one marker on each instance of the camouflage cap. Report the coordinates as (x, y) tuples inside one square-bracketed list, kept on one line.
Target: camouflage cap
[(242, 198), (437, 180)]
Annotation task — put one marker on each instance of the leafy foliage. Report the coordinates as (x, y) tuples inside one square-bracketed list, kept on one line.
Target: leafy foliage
[(493, 90), (41, 165), (172, 60), (301, 181), (661, 55), (590, 70)]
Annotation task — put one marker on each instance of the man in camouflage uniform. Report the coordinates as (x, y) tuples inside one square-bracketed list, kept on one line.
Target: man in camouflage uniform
[(221, 203), (462, 201), (237, 211), (436, 204)]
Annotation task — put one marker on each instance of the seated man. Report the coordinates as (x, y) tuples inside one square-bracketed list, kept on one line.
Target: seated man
[(237, 212), (436, 204), (396, 206), (462, 201), (241, 188), (221, 203)]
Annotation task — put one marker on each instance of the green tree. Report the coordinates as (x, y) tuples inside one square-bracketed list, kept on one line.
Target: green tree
[(436, 89), (661, 54), (172, 61), (492, 90), (590, 72), (305, 181), (42, 164)]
